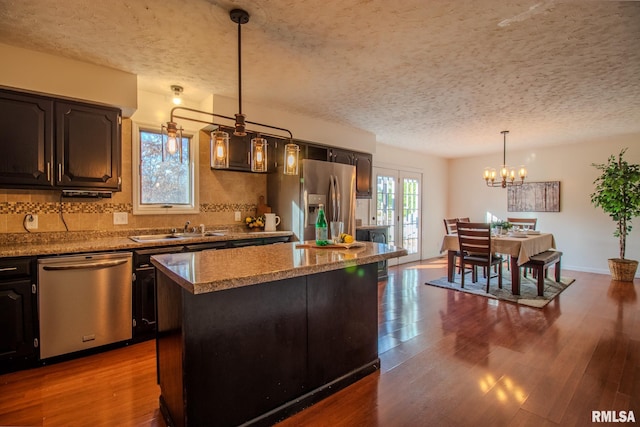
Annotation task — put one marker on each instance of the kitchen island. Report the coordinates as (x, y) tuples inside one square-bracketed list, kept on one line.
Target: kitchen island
[(252, 335)]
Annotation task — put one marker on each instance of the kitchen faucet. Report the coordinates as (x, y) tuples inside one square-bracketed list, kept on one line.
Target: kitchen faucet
[(186, 226)]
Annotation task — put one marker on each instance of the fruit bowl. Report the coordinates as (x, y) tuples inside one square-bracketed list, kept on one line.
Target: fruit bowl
[(254, 222)]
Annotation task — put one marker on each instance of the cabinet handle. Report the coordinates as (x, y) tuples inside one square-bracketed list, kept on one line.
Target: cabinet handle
[(48, 171), (59, 172), (249, 157), (8, 269)]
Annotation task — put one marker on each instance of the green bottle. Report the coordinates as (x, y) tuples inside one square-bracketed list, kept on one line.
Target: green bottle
[(322, 234)]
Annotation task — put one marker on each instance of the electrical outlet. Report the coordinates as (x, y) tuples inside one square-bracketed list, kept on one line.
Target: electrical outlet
[(32, 222), (237, 216), (120, 218)]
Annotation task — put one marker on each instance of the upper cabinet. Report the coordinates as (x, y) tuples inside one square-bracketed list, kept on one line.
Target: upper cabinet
[(58, 144), (364, 168), (26, 140), (87, 146)]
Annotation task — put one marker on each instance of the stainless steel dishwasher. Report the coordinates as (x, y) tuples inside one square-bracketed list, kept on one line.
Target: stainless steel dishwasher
[(84, 301)]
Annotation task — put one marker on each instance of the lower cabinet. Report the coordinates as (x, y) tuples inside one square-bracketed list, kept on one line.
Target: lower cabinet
[(18, 342), (378, 234)]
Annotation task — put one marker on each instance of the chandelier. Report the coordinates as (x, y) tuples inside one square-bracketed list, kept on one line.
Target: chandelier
[(172, 132), (507, 174)]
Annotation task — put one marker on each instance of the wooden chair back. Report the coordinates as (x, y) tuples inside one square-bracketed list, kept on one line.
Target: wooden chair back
[(475, 238), (464, 219), (450, 225), (531, 222)]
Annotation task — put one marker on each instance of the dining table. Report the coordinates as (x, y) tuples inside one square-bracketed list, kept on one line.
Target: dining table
[(520, 248)]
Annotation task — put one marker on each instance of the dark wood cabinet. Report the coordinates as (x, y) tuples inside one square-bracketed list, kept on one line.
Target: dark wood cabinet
[(341, 156), (364, 173), (364, 169), (18, 344), (254, 355), (56, 144), (87, 146), (26, 140)]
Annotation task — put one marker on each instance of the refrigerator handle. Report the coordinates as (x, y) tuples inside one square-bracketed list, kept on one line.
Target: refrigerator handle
[(332, 196), (336, 197)]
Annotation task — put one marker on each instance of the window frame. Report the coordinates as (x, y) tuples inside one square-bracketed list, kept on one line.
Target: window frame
[(136, 167)]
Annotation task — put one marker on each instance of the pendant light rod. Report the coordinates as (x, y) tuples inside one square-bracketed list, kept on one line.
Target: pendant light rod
[(193, 110), (240, 17), (239, 22), (504, 146)]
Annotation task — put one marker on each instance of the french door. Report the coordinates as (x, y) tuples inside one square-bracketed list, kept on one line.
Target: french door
[(397, 205)]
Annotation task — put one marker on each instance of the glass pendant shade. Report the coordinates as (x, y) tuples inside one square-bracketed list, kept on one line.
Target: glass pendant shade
[(291, 159), (171, 138), (219, 150), (259, 154)]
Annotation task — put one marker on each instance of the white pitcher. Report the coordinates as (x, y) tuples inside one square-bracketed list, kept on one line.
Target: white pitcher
[(271, 221)]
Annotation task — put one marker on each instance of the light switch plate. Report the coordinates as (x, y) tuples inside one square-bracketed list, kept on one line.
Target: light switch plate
[(120, 218), (237, 216)]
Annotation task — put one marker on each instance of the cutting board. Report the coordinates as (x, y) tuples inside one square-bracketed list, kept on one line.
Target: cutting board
[(262, 208)]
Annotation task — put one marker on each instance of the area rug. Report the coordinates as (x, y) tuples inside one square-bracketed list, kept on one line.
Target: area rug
[(528, 288)]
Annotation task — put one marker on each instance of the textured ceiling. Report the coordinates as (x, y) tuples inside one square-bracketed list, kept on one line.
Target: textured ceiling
[(441, 77)]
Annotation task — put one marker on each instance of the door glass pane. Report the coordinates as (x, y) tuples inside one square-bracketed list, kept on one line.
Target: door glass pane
[(385, 203), (410, 214)]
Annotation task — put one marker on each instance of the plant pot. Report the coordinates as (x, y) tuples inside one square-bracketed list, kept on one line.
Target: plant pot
[(623, 270)]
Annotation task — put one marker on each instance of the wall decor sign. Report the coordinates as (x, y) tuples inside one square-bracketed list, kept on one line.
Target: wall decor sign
[(534, 197)]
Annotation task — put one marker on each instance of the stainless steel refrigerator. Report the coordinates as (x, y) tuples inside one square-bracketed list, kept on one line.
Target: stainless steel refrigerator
[(295, 199)]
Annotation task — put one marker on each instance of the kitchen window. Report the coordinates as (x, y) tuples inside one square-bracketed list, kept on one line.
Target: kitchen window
[(163, 186)]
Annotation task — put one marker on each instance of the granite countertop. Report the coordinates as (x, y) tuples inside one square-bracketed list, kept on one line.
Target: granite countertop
[(210, 271), (78, 242), (371, 227)]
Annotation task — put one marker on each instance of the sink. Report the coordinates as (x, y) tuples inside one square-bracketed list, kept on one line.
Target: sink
[(163, 237), (186, 235)]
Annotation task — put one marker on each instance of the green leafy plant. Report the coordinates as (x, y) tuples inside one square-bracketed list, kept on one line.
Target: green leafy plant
[(506, 225), (617, 192)]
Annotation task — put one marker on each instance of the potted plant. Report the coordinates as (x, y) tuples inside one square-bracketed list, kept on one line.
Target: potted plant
[(617, 192)]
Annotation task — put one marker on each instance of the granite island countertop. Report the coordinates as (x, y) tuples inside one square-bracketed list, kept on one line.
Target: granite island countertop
[(78, 242), (214, 270)]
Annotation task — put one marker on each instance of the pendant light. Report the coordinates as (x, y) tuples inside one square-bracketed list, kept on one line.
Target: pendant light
[(219, 143), (259, 150), (291, 159), (219, 150), (171, 139), (507, 174)]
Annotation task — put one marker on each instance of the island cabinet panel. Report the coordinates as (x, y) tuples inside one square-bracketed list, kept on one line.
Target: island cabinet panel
[(343, 322), (257, 354)]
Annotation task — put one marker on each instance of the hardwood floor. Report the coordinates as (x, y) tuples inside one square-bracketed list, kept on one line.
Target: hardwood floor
[(448, 359)]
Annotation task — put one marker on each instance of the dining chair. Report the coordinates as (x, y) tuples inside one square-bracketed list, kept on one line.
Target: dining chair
[(450, 225), (466, 219), (531, 222), (474, 239)]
